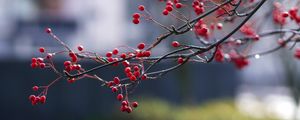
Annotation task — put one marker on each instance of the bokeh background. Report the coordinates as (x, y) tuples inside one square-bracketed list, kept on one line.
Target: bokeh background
[(267, 89)]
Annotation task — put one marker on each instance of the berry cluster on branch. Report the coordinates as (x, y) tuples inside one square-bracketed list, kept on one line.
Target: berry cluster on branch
[(208, 18)]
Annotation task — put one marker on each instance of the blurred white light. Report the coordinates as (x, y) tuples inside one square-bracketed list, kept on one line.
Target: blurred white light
[(227, 56), (257, 56)]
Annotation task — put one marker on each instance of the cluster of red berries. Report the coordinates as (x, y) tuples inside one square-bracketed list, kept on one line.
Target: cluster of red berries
[(248, 30), (140, 52), (133, 72), (280, 16), (136, 16), (239, 60), (125, 107), (198, 7), (38, 62), (114, 85), (293, 12), (69, 66), (224, 9), (169, 6), (201, 29), (73, 57), (37, 99)]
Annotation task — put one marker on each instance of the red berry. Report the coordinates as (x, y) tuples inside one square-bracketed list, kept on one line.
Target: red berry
[(120, 97), (123, 55), (144, 77), (40, 60), (129, 109), (133, 78), (125, 63), (141, 46), (72, 80), (139, 53), (285, 14), (116, 80), (42, 65), (48, 30), (131, 54), (68, 68), (127, 70), (165, 12), (109, 54), (297, 53), (203, 31), (80, 48), (115, 51), (136, 73), (219, 26), (219, 56), (169, 3), (136, 68), (196, 2), (114, 89), (110, 83), (147, 53), (256, 37), (72, 54), (74, 59), (42, 49), (129, 74), (32, 97), (124, 103), (43, 99), (178, 5), (136, 21), (169, 8), (136, 15), (33, 60), (110, 59), (123, 108), (35, 88), (175, 44), (33, 65), (76, 67), (141, 7), (135, 104), (281, 42), (180, 60), (37, 99), (67, 63), (49, 56)]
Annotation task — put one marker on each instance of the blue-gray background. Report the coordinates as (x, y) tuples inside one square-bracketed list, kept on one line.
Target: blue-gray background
[(97, 24)]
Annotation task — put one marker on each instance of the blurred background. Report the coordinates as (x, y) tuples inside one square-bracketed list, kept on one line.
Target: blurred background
[(267, 89)]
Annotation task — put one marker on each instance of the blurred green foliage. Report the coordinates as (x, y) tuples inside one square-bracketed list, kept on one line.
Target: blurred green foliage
[(155, 109)]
